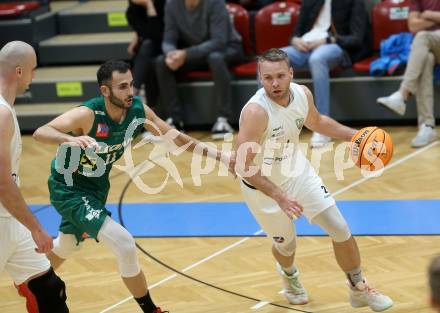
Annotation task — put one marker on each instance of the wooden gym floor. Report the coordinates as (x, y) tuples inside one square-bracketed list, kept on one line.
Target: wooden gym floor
[(394, 264)]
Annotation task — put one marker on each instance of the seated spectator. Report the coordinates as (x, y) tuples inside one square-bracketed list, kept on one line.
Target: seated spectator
[(328, 34), (424, 21), (252, 5), (146, 18), (434, 283), (198, 35)]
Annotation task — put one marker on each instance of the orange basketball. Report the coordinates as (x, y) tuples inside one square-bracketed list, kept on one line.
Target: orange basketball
[(372, 148)]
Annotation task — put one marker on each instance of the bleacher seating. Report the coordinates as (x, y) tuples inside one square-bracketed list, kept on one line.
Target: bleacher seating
[(28, 21), (269, 27), (274, 25), (17, 9), (388, 17)]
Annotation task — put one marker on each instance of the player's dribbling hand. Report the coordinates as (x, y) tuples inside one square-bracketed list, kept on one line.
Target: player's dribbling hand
[(82, 141), (43, 241), (290, 206)]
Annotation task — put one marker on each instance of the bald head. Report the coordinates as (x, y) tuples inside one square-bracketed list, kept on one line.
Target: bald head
[(16, 53), (17, 63)]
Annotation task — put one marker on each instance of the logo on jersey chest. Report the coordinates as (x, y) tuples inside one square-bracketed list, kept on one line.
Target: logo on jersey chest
[(102, 130)]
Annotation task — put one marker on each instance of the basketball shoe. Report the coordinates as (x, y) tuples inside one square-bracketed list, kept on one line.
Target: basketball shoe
[(158, 310), (221, 128), (293, 290), (363, 295)]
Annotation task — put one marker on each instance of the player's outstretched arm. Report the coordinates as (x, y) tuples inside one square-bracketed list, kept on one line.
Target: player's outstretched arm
[(71, 127), (159, 127), (254, 121), (10, 195), (323, 124)]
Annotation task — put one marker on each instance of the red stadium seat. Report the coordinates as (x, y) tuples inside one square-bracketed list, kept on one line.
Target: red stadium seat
[(274, 25), (15, 9), (388, 18), (246, 69), (240, 20), (363, 66)]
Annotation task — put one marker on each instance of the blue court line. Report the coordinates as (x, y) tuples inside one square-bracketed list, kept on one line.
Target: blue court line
[(200, 219)]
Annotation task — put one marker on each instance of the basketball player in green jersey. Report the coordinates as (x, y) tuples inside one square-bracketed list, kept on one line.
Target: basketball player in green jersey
[(101, 123)]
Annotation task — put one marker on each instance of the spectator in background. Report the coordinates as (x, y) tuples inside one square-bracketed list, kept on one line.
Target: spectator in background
[(434, 282), (424, 21), (146, 18), (328, 34), (198, 34), (252, 5)]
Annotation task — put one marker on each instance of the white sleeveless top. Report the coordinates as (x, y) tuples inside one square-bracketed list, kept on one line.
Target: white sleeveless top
[(15, 150), (280, 157)]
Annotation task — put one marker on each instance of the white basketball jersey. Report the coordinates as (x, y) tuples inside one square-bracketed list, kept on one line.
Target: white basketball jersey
[(280, 157), (15, 150)]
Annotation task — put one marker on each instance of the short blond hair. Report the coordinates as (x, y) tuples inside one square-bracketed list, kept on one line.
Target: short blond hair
[(274, 55)]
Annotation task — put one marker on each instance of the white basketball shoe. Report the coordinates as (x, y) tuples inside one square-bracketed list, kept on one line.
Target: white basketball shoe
[(293, 290), (363, 295)]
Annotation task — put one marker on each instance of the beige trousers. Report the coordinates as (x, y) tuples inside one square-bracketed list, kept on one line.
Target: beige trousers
[(418, 78)]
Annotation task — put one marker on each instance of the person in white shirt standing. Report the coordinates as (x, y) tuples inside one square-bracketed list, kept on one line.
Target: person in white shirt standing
[(328, 34), (23, 241), (279, 184)]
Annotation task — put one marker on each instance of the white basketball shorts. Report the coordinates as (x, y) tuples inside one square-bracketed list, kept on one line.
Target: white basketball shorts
[(17, 252), (308, 189)]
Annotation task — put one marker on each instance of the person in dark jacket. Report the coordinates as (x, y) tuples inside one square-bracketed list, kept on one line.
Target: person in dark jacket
[(328, 34), (146, 18), (198, 35)]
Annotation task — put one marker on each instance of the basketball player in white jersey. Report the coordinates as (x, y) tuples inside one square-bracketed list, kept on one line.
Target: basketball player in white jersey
[(23, 241), (279, 184)]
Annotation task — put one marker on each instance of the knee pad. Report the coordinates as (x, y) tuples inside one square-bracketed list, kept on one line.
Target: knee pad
[(45, 294), (122, 244), (332, 221), (285, 248), (64, 245)]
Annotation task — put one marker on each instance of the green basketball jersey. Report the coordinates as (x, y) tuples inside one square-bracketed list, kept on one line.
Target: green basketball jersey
[(91, 168)]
